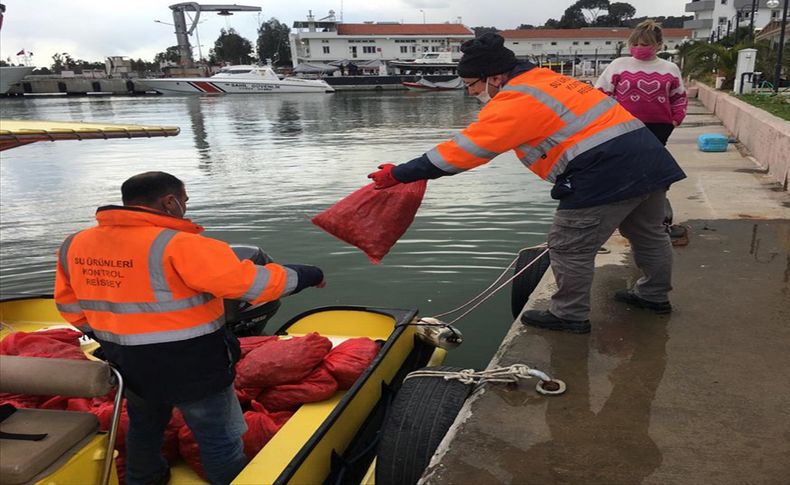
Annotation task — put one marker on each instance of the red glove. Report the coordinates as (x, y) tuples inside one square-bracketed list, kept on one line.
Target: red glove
[(384, 178)]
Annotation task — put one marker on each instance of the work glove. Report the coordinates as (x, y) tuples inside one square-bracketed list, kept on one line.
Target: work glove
[(384, 178)]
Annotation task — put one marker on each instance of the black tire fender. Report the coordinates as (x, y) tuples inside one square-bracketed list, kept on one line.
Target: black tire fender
[(420, 415), (526, 282)]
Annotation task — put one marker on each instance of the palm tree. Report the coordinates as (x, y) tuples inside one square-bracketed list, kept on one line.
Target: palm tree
[(702, 59)]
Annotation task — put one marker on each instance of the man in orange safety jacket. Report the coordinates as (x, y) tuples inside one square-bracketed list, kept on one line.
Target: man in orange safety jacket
[(608, 171), (149, 288)]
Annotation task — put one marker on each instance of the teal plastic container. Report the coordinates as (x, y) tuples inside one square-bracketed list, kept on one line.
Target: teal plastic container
[(713, 142)]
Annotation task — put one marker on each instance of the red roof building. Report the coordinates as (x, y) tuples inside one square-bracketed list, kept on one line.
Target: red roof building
[(405, 29), (327, 40)]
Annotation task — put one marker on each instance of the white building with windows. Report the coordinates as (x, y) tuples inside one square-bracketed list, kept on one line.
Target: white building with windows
[(326, 40), (587, 43), (714, 19)]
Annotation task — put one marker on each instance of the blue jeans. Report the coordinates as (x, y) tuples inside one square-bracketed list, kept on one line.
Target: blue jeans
[(216, 421)]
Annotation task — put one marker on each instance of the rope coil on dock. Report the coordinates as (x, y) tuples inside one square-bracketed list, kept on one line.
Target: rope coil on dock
[(503, 375)]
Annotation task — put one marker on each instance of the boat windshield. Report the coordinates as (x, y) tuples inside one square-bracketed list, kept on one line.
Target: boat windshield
[(235, 71)]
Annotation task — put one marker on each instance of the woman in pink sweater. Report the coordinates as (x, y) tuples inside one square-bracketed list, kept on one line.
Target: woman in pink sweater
[(651, 89), (647, 86)]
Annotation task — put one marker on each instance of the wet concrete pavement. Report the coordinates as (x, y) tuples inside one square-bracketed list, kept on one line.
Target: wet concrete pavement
[(699, 396)]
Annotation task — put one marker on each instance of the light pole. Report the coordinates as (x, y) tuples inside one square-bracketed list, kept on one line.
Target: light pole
[(751, 18), (423, 15), (772, 4)]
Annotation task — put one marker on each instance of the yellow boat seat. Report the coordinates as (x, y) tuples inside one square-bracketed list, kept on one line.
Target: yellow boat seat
[(66, 431)]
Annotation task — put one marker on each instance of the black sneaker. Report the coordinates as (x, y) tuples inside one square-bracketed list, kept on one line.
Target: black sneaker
[(628, 296), (546, 319)]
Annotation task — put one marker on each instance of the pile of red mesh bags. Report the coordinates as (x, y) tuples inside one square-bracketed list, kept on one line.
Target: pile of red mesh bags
[(373, 220), (274, 377)]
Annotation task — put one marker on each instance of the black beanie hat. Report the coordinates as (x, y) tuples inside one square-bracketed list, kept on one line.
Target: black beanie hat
[(485, 56)]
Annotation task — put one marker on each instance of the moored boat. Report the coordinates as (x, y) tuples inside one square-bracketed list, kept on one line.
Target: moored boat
[(425, 85), (332, 440), (436, 60), (238, 80)]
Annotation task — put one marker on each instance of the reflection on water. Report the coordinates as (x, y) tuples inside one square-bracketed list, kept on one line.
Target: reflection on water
[(257, 167)]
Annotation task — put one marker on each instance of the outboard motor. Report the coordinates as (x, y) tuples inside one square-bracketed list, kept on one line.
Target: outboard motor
[(242, 318)]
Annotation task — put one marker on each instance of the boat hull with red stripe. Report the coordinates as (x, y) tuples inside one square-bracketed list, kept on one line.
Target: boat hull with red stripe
[(238, 80)]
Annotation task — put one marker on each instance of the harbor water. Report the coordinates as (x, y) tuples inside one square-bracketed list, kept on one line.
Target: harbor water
[(257, 168)]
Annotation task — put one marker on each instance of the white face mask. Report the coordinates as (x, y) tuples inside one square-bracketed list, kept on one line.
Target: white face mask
[(484, 97)]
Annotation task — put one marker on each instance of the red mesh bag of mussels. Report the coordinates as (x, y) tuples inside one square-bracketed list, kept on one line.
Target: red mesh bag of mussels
[(373, 220)]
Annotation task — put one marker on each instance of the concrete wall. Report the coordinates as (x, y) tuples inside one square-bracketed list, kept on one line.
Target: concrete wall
[(766, 136), (77, 86)]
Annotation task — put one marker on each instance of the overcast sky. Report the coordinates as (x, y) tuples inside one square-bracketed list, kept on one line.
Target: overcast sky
[(92, 30)]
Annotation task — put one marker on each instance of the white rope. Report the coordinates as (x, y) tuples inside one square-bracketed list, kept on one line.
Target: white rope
[(493, 292), (497, 374), (503, 375)]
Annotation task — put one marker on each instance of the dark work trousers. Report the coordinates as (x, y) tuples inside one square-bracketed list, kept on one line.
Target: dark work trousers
[(662, 132), (577, 234)]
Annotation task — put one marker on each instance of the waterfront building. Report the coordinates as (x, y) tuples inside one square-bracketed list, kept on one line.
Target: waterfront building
[(714, 19), (328, 40), (583, 52), (583, 43)]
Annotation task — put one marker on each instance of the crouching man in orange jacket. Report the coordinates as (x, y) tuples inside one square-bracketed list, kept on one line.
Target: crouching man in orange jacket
[(150, 289)]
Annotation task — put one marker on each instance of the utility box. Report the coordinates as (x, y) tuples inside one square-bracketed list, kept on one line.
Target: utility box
[(746, 62)]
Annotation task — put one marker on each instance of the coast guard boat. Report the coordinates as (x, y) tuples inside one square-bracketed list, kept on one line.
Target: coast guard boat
[(238, 80)]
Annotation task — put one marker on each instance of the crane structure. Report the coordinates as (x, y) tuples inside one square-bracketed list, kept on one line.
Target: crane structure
[(180, 23)]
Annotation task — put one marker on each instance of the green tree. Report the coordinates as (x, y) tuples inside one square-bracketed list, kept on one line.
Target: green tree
[(171, 54), (551, 24), (621, 12), (666, 22), (592, 9), (619, 15), (232, 48), (482, 30), (274, 43), (572, 18), (525, 27), (62, 62), (701, 60), (736, 37), (140, 66)]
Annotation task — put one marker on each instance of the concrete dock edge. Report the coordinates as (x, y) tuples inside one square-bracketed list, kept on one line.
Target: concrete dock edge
[(699, 396)]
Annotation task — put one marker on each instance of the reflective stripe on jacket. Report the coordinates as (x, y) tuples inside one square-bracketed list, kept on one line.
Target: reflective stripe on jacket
[(142, 277), (566, 118)]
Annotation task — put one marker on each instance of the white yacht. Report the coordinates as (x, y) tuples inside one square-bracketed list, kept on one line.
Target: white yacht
[(428, 59), (238, 80)]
